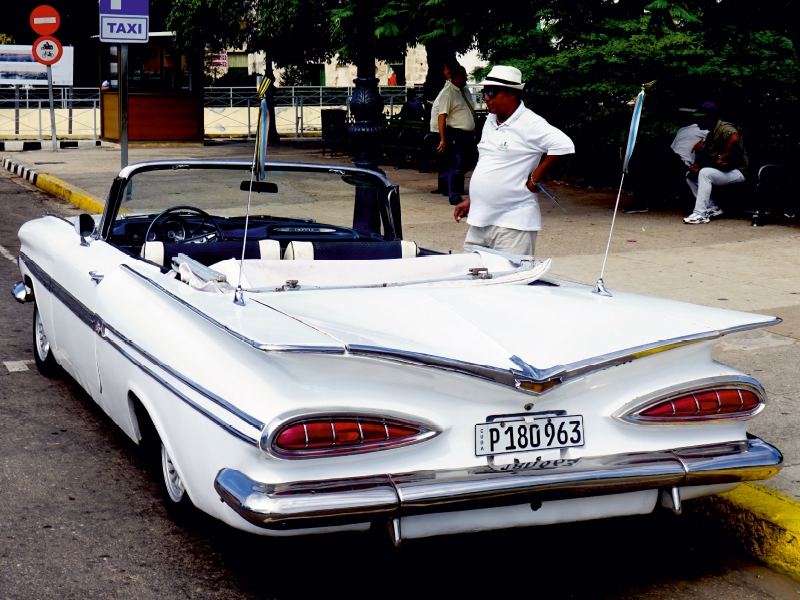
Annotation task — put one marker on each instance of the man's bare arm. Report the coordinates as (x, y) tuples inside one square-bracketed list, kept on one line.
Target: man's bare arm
[(442, 125), (542, 170)]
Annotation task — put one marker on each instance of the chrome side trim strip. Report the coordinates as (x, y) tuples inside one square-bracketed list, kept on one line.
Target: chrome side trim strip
[(300, 504), (100, 327), (188, 382), (227, 427), (235, 334), (59, 217), (78, 308)]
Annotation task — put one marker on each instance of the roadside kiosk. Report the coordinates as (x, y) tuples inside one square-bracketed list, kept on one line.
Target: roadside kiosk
[(165, 103)]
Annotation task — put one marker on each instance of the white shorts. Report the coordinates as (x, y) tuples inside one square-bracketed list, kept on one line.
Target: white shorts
[(515, 241)]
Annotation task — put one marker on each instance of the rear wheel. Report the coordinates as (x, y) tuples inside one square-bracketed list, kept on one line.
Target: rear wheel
[(42, 353), (157, 460)]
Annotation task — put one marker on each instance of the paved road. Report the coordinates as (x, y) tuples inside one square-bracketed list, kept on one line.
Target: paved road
[(80, 518)]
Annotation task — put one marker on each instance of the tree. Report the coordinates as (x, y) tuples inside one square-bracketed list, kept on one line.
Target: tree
[(584, 61)]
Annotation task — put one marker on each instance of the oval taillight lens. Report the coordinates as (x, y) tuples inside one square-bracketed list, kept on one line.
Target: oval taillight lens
[(727, 402), (340, 435)]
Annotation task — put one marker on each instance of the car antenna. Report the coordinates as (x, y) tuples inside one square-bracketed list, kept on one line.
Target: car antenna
[(259, 160), (599, 287)]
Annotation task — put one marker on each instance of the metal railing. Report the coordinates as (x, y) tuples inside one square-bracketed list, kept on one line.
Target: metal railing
[(31, 119), (298, 108)]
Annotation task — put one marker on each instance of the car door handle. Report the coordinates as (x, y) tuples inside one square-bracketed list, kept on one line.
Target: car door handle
[(95, 276)]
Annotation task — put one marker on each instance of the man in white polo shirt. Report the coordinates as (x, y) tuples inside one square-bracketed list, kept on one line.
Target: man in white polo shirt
[(502, 203)]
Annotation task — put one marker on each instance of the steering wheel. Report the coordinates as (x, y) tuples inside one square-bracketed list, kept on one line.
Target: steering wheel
[(189, 236)]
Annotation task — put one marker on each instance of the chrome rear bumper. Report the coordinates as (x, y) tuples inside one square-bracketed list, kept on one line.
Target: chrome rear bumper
[(335, 502)]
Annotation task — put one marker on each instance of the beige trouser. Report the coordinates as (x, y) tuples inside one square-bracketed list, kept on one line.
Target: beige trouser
[(501, 238)]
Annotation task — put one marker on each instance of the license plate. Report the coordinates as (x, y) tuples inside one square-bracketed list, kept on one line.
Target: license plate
[(503, 437)]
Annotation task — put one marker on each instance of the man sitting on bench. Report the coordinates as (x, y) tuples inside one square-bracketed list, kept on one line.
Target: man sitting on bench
[(722, 160)]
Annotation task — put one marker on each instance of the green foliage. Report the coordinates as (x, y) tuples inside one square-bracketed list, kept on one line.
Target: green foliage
[(6, 39), (587, 60), (291, 75)]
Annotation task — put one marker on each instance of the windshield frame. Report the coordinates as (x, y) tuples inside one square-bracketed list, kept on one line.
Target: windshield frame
[(388, 209)]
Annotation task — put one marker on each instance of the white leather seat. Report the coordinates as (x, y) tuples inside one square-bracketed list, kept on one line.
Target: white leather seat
[(156, 251), (305, 250)]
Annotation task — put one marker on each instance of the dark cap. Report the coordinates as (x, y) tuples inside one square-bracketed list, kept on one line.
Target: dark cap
[(706, 108)]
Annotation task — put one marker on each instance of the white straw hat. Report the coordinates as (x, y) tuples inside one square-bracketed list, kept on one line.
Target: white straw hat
[(504, 76)]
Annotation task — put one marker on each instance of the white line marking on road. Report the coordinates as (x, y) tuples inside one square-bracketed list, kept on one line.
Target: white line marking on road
[(6, 254), (15, 366)]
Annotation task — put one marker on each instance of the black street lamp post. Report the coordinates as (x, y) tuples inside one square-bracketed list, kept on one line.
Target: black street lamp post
[(366, 105)]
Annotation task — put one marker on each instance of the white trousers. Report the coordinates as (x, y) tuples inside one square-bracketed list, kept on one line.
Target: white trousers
[(707, 179), (501, 238)]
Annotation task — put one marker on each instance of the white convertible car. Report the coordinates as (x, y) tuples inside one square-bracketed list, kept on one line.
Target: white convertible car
[(322, 376)]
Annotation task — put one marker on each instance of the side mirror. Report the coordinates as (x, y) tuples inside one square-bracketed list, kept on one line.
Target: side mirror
[(84, 227)]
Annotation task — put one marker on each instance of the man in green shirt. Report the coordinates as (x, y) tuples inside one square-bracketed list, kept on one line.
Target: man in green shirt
[(722, 160)]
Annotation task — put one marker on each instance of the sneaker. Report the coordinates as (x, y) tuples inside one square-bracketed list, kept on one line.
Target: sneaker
[(714, 212), (635, 209), (696, 219)]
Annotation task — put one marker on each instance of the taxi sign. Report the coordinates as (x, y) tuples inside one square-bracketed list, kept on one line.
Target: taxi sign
[(125, 21), (47, 50), (45, 20)]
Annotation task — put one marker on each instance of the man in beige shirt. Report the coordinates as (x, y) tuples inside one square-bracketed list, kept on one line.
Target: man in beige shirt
[(453, 118)]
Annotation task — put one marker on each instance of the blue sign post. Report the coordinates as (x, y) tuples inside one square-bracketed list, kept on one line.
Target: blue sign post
[(125, 21)]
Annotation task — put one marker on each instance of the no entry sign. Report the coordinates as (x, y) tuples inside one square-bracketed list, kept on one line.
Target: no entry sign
[(45, 20), (47, 50)]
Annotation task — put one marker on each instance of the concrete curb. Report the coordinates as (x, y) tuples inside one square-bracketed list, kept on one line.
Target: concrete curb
[(25, 146), (58, 187), (766, 524)]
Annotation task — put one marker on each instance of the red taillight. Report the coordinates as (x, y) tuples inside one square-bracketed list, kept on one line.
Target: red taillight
[(706, 403), (337, 435)]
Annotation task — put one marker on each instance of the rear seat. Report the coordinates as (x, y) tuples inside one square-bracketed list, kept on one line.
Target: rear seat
[(350, 250), (162, 253)]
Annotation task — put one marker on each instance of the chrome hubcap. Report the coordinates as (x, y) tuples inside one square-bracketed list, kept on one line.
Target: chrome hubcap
[(42, 345), (171, 478)]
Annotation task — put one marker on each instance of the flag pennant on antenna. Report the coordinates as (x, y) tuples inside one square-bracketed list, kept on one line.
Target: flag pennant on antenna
[(637, 115), (599, 287)]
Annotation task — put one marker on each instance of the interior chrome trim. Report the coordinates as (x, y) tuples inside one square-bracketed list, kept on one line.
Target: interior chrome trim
[(100, 327), (300, 504)]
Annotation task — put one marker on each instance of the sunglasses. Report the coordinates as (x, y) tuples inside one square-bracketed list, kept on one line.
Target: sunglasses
[(491, 92)]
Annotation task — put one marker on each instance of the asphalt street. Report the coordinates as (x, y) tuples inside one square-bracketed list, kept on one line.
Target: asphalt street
[(81, 518)]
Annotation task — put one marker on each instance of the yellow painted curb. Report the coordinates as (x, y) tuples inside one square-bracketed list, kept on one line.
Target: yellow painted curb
[(70, 193), (768, 525)]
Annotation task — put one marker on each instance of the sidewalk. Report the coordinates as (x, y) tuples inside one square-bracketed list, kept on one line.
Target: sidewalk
[(727, 263)]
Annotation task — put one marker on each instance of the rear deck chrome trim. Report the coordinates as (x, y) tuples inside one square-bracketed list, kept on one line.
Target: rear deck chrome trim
[(511, 378), (301, 504)]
